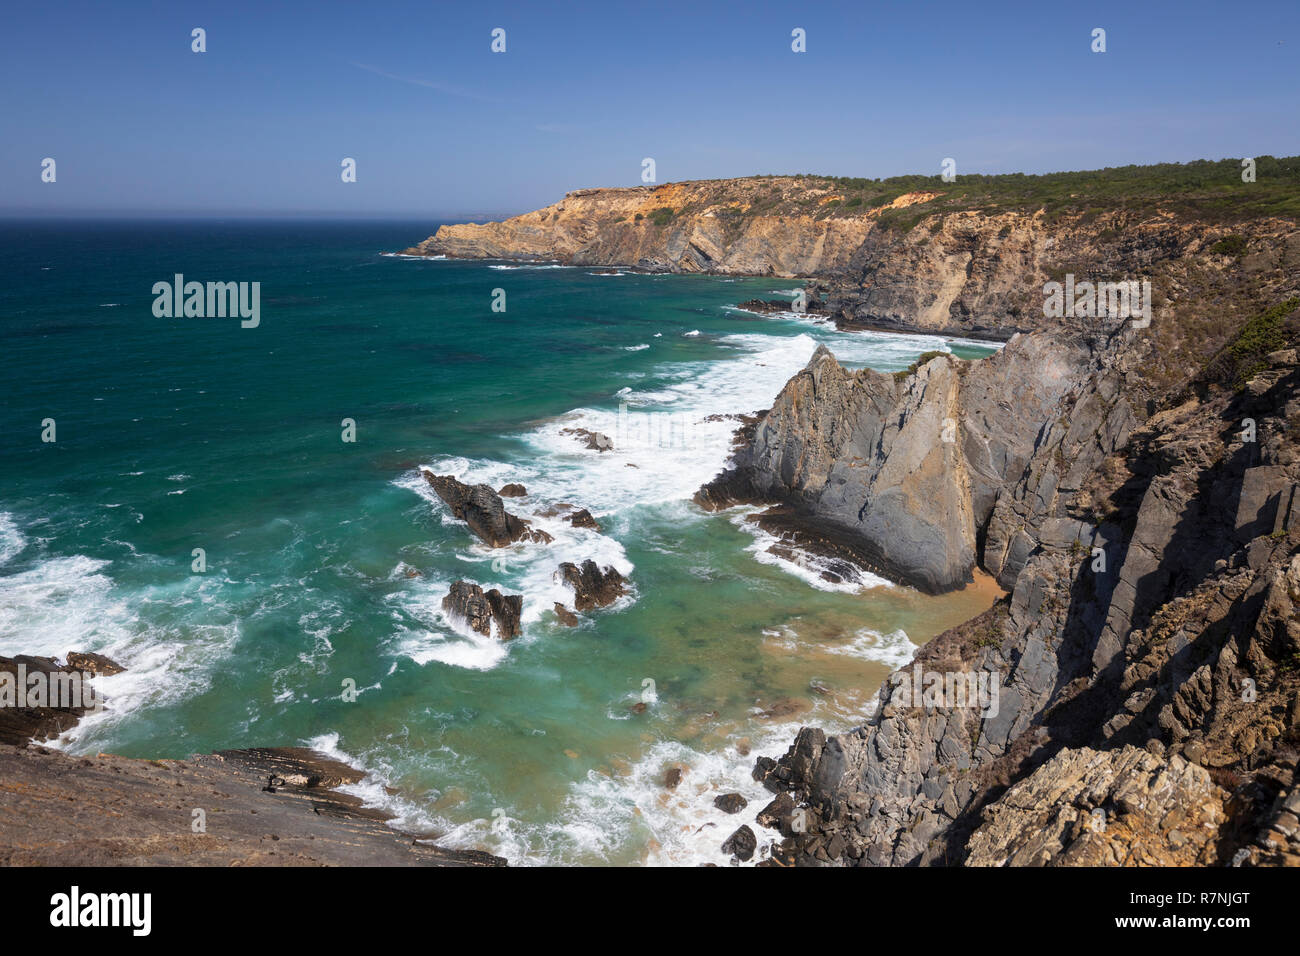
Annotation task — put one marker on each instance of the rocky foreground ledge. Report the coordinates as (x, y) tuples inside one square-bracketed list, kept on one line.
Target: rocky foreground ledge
[(262, 807), (272, 807)]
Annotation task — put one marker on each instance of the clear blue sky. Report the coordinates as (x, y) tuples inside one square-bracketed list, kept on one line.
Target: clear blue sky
[(442, 127)]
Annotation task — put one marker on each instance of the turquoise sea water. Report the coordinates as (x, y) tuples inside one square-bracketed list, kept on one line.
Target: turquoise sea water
[(327, 560)]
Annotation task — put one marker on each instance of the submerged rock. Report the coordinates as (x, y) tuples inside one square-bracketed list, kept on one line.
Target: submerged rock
[(479, 608), (566, 617), (596, 441)]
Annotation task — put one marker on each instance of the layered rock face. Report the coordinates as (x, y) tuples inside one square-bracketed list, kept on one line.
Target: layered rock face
[(481, 508), (972, 272), (913, 466), (264, 807), (592, 585), (481, 609), (1164, 813), (62, 701), (1146, 663), (717, 226)]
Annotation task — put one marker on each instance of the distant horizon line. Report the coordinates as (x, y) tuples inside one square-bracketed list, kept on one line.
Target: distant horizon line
[(115, 215), (32, 213)]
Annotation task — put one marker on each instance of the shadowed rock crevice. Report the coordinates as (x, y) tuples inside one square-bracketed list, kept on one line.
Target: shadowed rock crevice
[(1149, 707)]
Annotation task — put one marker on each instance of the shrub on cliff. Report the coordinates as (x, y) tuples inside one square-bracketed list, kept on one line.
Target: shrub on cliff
[(1229, 246), (1245, 356), (921, 360)]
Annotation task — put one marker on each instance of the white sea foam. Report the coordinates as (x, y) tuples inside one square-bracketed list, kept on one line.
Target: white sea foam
[(12, 541), (894, 649), (65, 604), (665, 448), (424, 632)]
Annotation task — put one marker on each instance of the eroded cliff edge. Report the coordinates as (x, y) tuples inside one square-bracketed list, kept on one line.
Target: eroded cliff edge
[(1147, 658), (916, 253)]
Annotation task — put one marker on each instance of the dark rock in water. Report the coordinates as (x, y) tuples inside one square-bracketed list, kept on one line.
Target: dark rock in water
[(639, 707), (58, 691), (741, 844), (479, 609), (673, 777), (776, 812), (480, 507), (506, 611), (96, 664), (567, 617), (596, 441), (730, 802), (512, 490), (784, 707), (583, 519), (592, 586)]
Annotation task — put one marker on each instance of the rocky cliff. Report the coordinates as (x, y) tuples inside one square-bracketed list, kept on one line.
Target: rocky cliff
[(1147, 660), (926, 470), (1136, 489), (968, 257), (767, 226)]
